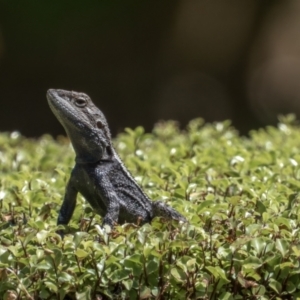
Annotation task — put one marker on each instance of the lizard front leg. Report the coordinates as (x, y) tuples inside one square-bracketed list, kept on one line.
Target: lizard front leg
[(68, 206), (113, 206), (109, 199), (112, 214)]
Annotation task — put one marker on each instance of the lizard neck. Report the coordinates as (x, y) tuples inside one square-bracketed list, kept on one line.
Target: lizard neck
[(98, 154)]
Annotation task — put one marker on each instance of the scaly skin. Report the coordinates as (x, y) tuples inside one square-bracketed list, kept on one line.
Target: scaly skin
[(99, 174)]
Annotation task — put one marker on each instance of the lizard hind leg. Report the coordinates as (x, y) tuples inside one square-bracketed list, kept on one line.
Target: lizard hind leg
[(161, 209)]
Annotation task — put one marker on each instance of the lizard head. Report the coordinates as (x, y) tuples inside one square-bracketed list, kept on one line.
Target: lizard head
[(84, 123)]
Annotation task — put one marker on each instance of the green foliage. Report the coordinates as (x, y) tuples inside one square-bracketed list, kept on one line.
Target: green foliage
[(240, 195)]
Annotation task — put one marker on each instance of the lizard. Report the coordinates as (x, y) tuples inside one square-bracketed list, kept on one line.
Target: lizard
[(99, 174)]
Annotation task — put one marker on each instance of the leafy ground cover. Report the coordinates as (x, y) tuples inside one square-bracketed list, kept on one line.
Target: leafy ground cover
[(240, 195)]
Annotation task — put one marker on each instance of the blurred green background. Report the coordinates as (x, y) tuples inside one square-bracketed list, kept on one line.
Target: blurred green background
[(143, 61)]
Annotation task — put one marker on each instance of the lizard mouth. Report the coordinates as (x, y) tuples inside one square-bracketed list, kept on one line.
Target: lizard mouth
[(59, 106), (51, 92), (62, 107), (56, 95)]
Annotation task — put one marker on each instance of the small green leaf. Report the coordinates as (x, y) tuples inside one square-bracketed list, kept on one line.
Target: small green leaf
[(178, 274), (252, 262), (119, 274), (145, 293), (4, 258), (78, 237), (290, 287), (64, 277), (205, 205), (226, 296), (81, 253), (41, 236), (217, 272), (152, 266), (57, 256), (234, 200), (127, 284), (85, 294), (51, 285), (282, 246), (275, 285)]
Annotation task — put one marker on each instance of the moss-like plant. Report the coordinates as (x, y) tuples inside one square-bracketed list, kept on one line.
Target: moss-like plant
[(240, 195)]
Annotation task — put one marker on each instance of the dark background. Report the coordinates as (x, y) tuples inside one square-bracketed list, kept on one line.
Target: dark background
[(143, 61)]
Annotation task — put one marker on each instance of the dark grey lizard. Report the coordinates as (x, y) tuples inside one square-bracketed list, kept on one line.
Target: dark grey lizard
[(99, 174)]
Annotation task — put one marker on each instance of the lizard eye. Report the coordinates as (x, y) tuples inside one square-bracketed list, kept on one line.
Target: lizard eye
[(80, 102), (99, 124)]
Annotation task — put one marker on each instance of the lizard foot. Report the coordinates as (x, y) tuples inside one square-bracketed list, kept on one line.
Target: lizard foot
[(161, 209)]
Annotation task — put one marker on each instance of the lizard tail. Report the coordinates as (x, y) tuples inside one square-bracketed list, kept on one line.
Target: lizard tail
[(160, 209)]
